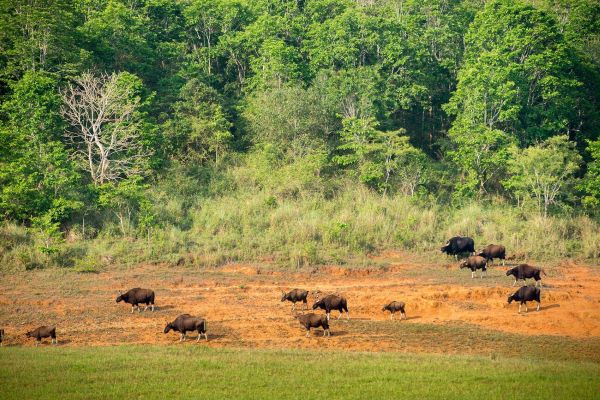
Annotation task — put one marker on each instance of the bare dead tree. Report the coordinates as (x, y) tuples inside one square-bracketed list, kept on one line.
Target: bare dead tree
[(104, 129)]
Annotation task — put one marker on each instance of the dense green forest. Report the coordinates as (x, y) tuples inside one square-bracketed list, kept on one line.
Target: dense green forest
[(307, 131)]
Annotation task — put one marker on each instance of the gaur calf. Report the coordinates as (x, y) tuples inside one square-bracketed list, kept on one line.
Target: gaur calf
[(493, 251), (137, 296), (394, 307), (525, 294), (332, 302), (188, 323), (295, 296), (525, 271), (314, 321), (1, 336), (43, 332), (474, 263), (459, 245)]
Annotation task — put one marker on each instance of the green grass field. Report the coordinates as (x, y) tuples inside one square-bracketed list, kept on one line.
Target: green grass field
[(194, 371)]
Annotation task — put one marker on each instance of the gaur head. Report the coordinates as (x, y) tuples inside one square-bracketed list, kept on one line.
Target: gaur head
[(463, 264), (384, 308), (29, 334), (120, 297), (283, 296), (510, 299), (317, 304), (509, 272), (168, 327)]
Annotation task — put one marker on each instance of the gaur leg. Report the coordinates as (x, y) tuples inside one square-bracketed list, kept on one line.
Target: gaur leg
[(307, 332), (327, 312), (146, 307), (538, 306), (515, 282), (152, 307), (341, 312), (132, 308), (520, 304), (392, 315), (526, 309), (293, 306), (181, 336), (206, 336), (305, 305), (472, 274)]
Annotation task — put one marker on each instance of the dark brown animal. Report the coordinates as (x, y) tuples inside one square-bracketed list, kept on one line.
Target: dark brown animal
[(1, 336), (137, 296), (492, 251), (295, 296), (43, 332), (188, 323), (332, 302), (459, 245), (474, 263), (525, 271), (525, 294), (394, 307), (311, 320)]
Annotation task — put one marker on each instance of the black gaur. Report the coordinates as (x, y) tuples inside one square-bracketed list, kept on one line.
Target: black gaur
[(474, 263), (332, 302), (492, 251), (311, 320), (394, 307), (137, 296), (525, 271), (525, 294), (294, 296), (43, 332), (459, 245), (188, 323)]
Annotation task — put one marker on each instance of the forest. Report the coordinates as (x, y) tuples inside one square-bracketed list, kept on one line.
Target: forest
[(299, 132)]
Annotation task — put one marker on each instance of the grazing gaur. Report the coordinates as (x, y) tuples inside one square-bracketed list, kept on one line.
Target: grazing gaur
[(393, 307), (43, 332), (188, 323), (332, 302), (525, 294), (136, 296), (459, 245), (474, 263), (1, 336), (526, 271), (295, 296), (311, 320), (492, 251)]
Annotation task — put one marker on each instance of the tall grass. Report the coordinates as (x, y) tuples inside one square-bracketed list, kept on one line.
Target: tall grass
[(310, 229)]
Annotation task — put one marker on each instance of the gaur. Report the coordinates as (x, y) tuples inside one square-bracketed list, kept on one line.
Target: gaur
[(332, 302), (474, 263), (525, 271), (394, 307), (43, 332), (493, 251), (525, 294), (1, 336), (136, 296), (459, 245), (311, 320), (188, 323), (295, 296)]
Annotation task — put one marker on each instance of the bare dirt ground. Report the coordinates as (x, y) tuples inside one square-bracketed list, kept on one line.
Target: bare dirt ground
[(448, 312)]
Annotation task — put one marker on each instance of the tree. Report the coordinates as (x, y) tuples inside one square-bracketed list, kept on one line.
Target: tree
[(292, 119), (104, 114), (591, 182), (481, 154), (200, 128), (37, 178), (516, 76), (544, 172), (378, 157), (127, 200)]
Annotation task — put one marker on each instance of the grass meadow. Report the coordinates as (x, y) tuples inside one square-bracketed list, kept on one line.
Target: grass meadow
[(190, 371)]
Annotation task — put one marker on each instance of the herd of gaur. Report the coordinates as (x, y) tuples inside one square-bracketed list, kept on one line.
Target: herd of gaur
[(456, 246)]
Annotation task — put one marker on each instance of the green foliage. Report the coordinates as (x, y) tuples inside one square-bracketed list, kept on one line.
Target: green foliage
[(591, 182), (377, 157), (127, 201)]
